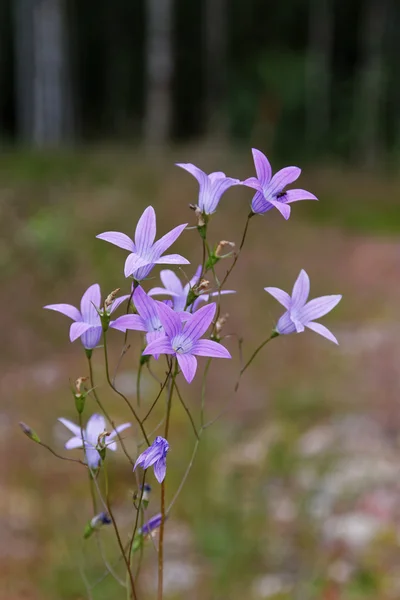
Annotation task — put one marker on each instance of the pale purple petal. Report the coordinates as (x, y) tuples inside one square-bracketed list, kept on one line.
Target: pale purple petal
[(220, 293), (92, 456), (216, 175), (92, 337), (283, 178), (318, 308), (201, 177), (200, 322), (216, 190), (146, 307), (282, 297), (159, 291), (253, 183), (296, 195), (118, 239), (143, 272), (160, 469), (301, 290), (285, 325), (135, 262), (91, 300), (95, 427), (259, 204), (74, 442), (171, 281), (71, 426), (117, 303), (210, 348), (148, 457), (322, 330), (169, 319), (112, 445), (195, 277), (167, 240), (262, 165), (172, 259), (188, 365), (161, 345), (66, 309), (298, 324), (145, 233), (78, 329), (131, 322), (284, 209)]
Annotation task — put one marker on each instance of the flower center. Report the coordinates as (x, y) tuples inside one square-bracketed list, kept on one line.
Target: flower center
[(181, 344), (154, 324)]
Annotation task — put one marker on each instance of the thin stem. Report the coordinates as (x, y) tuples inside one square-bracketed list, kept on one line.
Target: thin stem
[(187, 411), (120, 393), (203, 392), (101, 406), (157, 397), (120, 544), (138, 378), (188, 469), (229, 271), (74, 460), (252, 357)]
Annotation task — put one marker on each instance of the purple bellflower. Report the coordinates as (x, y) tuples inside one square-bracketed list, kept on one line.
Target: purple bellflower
[(179, 293), (300, 313), (151, 525), (87, 321), (155, 455), (270, 190), (212, 187), (183, 340), (92, 437), (144, 252)]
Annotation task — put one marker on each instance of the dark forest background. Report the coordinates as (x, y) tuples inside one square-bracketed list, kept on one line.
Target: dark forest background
[(309, 77)]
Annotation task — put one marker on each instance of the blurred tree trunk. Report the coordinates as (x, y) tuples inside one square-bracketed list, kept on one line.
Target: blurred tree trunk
[(369, 95), (318, 82), (44, 114), (159, 65), (216, 50)]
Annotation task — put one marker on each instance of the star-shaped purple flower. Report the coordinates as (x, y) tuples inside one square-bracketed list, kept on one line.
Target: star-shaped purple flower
[(155, 455), (183, 340), (270, 190), (212, 187), (95, 427), (300, 313), (179, 293), (87, 321), (144, 252)]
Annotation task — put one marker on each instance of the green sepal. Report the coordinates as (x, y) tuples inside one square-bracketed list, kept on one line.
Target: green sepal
[(144, 359), (102, 452), (105, 320), (80, 400), (191, 297), (137, 542), (211, 261), (87, 531)]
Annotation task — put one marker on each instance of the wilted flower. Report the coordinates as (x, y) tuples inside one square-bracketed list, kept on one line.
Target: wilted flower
[(224, 248), (300, 313), (270, 189), (144, 252), (212, 186), (179, 293), (87, 322), (183, 341), (156, 455), (93, 437)]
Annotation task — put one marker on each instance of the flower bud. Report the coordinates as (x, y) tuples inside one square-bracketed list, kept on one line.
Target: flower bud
[(220, 323), (96, 523), (30, 433), (80, 394), (224, 249)]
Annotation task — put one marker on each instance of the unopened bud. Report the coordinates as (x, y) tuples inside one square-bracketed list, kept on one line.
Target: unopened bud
[(96, 523), (110, 298), (224, 248), (202, 286), (29, 432), (221, 322), (78, 384), (80, 394)]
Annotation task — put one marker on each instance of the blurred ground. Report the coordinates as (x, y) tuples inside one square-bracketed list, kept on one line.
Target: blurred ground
[(295, 492)]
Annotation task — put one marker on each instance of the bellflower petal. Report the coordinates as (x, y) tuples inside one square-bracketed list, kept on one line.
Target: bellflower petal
[(284, 209), (297, 195), (200, 322), (254, 183), (167, 240), (188, 365), (134, 262), (282, 297), (201, 177), (318, 307), (211, 186), (91, 338), (170, 320), (155, 455), (263, 167), (146, 307), (161, 345), (285, 325), (117, 303), (66, 309), (90, 300), (160, 469), (77, 329), (301, 290), (71, 426), (322, 330), (145, 233), (159, 291), (95, 427), (118, 239), (131, 322), (283, 178), (74, 442), (92, 456), (172, 259), (210, 348), (111, 443), (171, 281), (259, 204), (151, 525)]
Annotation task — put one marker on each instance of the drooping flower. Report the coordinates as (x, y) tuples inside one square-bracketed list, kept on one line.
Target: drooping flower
[(270, 190), (144, 252), (212, 187), (300, 313), (155, 455), (151, 525), (87, 322), (96, 523), (183, 340), (179, 293), (93, 437)]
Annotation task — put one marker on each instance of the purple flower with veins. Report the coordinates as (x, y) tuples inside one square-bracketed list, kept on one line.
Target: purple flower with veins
[(183, 340), (95, 428), (300, 313), (212, 187), (270, 190), (87, 321), (144, 252), (179, 293), (156, 456)]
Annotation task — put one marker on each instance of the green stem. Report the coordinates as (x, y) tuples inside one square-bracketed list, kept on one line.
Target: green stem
[(229, 271), (138, 378), (135, 529), (252, 357), (120, 393), (157, 397), (187, 411)]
